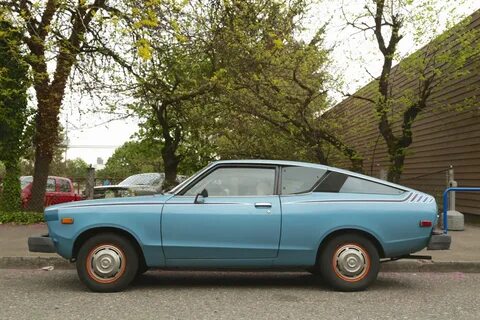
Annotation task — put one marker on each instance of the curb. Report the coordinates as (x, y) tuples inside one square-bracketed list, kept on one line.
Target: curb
[(394, 266)]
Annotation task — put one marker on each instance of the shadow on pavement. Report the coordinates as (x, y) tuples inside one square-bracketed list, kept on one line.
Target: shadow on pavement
[(252, 280), (192, 279), (161, 280)]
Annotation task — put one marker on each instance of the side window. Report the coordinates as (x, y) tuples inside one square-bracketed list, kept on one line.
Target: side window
[(50, 185), (339, 182), (357, 185), (64, 186), (300, 179), (236, 182)]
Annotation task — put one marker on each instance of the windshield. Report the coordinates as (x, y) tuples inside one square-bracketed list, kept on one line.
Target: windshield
[(185, 182), (143, 179), (25, 180)]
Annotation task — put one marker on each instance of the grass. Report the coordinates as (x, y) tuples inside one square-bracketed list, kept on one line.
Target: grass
[(20, 217)]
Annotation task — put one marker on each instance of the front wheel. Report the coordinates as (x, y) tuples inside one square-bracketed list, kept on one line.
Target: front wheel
[(349, 262), (107, 262)]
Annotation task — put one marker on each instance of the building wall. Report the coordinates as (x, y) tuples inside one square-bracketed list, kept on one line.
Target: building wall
[(446, 134)]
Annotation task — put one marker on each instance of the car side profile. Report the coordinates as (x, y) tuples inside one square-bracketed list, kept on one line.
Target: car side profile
[(248, 214)]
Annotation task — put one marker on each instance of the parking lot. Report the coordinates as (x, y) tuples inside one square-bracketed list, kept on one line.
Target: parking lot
[(37, 294)]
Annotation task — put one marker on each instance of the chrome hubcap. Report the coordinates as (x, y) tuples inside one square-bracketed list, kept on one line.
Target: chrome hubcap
[(106, 261), (351, 261)]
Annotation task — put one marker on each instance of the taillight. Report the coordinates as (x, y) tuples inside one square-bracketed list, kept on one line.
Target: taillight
[(425, 223)]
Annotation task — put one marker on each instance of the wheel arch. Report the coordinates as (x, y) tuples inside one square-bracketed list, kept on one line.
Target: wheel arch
[(364, 233), (88, 233)]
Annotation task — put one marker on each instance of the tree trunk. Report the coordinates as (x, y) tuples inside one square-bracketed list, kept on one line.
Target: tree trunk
[(170, 162), (11, 200), (397, 147), (41, 169), (320, 155), (46, 138), (395, 168)]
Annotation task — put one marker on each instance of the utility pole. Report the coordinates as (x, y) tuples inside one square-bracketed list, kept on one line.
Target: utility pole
[(90, 183)]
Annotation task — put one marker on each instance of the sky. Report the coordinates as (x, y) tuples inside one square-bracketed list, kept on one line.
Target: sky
[(353, 57)]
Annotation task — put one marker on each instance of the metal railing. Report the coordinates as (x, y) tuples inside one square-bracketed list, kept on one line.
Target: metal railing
[(445, 202)]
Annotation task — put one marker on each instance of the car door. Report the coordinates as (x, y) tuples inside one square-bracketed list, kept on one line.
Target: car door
[(239, 219), (65, 192)]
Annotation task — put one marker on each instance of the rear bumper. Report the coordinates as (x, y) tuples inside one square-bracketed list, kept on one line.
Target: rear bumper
[(41, 244), (439, 241)]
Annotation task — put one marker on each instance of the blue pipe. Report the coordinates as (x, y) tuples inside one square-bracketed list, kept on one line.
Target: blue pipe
[(445, 202)]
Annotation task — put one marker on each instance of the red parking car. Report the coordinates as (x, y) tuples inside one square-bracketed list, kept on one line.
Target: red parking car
[(59, 190)]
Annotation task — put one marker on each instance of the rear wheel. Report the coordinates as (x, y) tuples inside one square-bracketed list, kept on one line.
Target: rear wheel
[(107, 262), (349, 262), (314, 271), (142, 268)]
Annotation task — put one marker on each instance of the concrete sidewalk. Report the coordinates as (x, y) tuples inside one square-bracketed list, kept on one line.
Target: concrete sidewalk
[(464, 255)]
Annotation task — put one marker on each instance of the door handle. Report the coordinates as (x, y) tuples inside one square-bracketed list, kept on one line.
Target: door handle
[(263, 205)]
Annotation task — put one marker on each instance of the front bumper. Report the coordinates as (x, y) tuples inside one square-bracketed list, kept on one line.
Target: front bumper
[(41, 244)]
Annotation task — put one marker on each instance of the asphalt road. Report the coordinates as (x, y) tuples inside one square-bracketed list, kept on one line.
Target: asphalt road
[(36, 294)]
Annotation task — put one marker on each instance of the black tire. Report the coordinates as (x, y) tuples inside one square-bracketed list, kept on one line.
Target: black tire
[(142, 268), (353, 248), (314, 271), (105, 248)]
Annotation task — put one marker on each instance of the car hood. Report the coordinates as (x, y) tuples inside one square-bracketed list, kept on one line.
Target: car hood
[(154, 199)]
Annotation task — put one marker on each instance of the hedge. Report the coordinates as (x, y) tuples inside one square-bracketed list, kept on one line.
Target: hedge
[(20, 217)]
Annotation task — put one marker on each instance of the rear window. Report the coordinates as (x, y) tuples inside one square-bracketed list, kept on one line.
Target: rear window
[(357, 185), (300, 179), (50, 185), (65, 186), (25, 180), (143, 179), (339, 182)]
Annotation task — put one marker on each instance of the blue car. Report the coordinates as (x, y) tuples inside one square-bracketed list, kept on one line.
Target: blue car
[(248, 214)]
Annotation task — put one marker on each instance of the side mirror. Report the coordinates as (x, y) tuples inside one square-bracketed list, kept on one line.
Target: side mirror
[(200, 197)]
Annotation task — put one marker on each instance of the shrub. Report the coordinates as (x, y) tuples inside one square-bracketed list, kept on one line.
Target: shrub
[(20, 217)]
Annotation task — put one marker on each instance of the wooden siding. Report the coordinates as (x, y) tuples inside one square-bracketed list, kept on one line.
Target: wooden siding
[(441, 136)]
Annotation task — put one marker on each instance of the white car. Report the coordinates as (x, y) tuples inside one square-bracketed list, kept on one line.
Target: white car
[(136, 185)]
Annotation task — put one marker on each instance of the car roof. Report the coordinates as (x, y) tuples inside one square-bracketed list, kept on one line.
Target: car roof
[(58, 177), (311, 165), (274, 162)]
